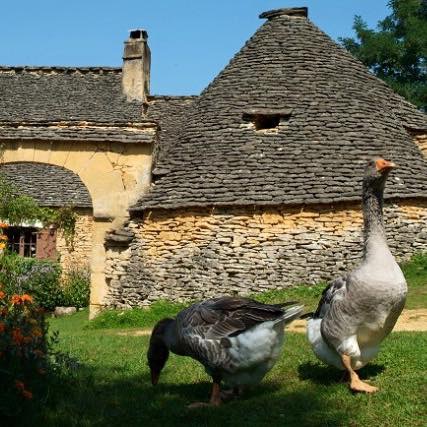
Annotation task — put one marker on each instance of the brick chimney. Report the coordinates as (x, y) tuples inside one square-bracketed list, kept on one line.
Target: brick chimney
[(136, 66)]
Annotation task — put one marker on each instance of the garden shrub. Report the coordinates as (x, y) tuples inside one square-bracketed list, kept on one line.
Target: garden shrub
[(40, 278), (29, 363), (23, 351), (76, 287)]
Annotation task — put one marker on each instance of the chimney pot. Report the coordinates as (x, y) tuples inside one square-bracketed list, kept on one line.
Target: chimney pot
[(138, 34)]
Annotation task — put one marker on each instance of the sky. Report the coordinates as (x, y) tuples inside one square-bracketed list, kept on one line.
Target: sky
[(191, 40)]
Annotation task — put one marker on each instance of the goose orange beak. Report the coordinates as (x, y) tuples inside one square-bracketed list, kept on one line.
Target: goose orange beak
[(384, 165)]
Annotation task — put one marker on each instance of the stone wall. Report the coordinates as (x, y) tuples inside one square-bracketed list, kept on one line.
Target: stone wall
[(421, 141), (191, 254), (77, 255)]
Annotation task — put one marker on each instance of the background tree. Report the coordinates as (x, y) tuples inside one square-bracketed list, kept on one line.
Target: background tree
[(397, 51)]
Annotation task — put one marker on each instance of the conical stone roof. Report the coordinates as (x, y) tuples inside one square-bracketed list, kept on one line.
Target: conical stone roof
[(328, 116)]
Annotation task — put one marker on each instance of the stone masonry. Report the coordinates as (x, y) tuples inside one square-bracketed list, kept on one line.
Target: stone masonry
[(200, 253), (78, 254), (421, 141)]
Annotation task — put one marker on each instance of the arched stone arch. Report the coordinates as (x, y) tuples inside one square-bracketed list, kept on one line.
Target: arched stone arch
[(115, 175)]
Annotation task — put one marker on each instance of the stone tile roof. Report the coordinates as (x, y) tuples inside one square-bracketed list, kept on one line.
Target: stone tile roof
[(68, 104), (333, 115), (49, 94), (169, 112), (49, 185), (126, 133)]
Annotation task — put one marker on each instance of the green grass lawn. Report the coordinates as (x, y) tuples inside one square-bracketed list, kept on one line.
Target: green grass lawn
[(112, 386)]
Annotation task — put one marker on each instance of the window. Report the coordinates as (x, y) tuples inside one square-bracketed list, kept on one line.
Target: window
[(22, 240), (32, 242), (266, 119)]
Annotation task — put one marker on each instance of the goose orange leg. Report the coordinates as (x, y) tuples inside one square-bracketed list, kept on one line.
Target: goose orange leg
[(215, 399), (356, 384)]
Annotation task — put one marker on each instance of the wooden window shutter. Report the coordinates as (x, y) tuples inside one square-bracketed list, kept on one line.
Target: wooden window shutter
[(46, 244)]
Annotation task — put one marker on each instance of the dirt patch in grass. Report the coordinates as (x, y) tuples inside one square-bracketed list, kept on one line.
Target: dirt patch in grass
[(409, 320), (412, 320)]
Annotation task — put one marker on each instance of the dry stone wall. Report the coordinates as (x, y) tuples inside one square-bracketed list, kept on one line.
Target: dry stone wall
[(78, 254), (421, 141), (192, 254)]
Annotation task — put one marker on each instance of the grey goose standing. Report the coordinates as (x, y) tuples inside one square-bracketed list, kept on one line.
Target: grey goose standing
[(357, 311), (238, 340)]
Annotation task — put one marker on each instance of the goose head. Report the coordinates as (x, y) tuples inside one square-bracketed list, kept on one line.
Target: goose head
[(158, 351), (376, 174)]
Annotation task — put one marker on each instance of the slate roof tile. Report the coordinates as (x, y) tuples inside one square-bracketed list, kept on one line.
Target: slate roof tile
[(64, 94), (49, 185), (341, 115)]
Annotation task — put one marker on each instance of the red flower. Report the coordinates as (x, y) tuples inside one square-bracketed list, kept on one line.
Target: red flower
[(2, 294), (19, 385), (27, 394), (26, 298), (16, 299), (17, 336)]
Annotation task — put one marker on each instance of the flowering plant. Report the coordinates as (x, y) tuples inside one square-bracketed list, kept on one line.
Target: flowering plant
[(3, 237), (23, 350)]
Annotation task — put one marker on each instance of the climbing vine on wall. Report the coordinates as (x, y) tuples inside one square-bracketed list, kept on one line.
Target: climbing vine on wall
[(17, 209), (65, 220)]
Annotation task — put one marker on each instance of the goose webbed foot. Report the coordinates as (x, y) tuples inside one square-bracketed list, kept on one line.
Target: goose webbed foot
[(356, 384), (215, 399), (233, 393)]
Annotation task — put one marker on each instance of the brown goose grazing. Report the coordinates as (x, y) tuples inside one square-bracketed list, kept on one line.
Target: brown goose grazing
[(357, 311), (238, 340)]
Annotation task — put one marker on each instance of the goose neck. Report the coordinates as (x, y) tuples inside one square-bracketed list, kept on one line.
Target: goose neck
[(374, 232)]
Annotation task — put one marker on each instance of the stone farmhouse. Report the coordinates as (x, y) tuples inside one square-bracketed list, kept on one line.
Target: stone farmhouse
[(254, 184)]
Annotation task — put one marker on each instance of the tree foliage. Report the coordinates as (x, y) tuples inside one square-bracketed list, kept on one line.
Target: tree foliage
[(397, 51)]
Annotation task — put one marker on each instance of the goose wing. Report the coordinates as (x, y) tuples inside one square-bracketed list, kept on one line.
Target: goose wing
[(224, 317), (205, 329), (336, 289)]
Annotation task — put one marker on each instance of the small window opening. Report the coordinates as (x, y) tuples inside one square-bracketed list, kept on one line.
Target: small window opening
[(266, 121), (22, 240), (266, 118)]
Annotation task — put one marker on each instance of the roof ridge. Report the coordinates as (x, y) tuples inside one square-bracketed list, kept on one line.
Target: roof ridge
[(60, 68), (166, 97)]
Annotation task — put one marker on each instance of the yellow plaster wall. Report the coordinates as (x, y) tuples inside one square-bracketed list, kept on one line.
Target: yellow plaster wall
[(115, 175)]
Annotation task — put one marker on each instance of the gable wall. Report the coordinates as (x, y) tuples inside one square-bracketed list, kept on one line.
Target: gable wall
[(194, 254)]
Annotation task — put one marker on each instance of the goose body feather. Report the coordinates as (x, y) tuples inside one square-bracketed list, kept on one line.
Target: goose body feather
[(236, 339), (358, 311)]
